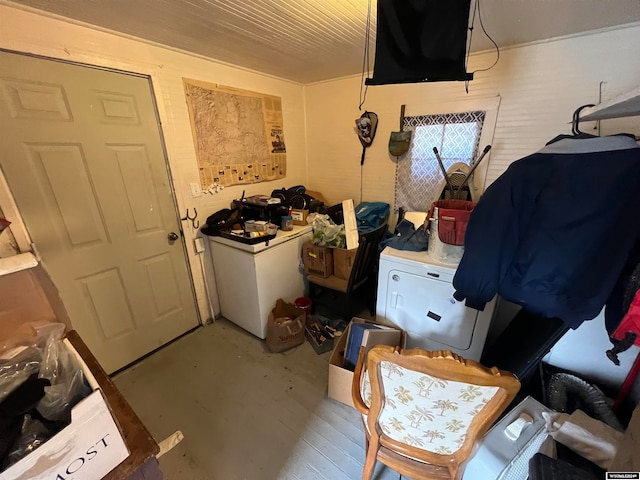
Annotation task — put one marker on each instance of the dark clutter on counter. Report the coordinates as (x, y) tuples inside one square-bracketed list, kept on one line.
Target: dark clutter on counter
[(257, 218)]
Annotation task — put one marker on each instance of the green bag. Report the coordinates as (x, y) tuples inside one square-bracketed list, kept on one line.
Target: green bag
[(399, 141)]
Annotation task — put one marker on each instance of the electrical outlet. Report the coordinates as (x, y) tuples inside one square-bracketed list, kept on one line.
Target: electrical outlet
[(196, 191)]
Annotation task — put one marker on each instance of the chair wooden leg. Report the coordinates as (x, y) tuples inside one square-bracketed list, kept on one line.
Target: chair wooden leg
[(370, 462)]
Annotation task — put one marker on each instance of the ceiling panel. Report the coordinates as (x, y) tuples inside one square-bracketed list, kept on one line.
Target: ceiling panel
[(313, 40)]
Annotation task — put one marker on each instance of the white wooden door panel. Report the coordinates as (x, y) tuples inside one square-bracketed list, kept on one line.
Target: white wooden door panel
[(83, 157)]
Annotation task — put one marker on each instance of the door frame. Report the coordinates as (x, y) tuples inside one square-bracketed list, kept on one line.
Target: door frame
[(10, 208)]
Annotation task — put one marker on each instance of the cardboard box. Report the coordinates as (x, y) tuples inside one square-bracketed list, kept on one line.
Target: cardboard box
[(343, 262), (317, 196), (28, 295), (299, 216), (317, 260), (92, 445), (88, 448), (340, 378)]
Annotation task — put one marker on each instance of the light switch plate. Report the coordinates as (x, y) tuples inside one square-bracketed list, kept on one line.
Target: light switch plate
[(196, 191)]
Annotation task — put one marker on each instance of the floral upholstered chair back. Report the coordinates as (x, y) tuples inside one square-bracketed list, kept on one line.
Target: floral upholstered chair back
[(431, 407)]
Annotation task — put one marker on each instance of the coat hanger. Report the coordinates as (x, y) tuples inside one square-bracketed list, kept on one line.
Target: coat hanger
[(576, 122), (576, 133)]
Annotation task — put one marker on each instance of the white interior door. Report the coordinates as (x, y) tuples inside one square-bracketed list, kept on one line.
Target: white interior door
[(83, 157)]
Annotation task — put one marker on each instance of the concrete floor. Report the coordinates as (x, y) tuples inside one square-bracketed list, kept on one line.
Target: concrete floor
[(245, 413)]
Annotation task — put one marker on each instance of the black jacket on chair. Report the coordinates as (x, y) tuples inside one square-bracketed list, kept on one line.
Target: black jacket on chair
[(554, 231)]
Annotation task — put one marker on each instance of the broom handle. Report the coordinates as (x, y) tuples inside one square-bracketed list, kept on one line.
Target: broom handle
[(444, 172)]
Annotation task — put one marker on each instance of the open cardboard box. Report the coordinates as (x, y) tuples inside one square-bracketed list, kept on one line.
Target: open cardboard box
[(317, 260), (92, 445), (340, 378), (343, 262)]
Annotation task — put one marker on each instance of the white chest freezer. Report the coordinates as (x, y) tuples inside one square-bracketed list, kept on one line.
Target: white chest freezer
[(250, 278), (415, 293)]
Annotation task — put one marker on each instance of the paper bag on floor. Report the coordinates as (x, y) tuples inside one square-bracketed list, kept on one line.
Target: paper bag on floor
[(594, 440), (285, 327)]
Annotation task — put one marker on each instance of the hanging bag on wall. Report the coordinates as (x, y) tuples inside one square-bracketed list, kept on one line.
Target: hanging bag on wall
[(399, 141)]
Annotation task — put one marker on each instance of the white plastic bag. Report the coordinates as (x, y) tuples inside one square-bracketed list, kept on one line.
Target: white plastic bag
[(327, 234), (68, 385)]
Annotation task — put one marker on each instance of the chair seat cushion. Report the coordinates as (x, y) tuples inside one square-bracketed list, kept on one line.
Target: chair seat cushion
[(332, 282), (424, 411)]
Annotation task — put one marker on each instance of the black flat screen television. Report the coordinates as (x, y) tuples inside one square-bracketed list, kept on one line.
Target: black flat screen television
[(421, 41)]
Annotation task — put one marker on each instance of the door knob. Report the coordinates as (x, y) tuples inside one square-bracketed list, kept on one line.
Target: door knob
[(172, 237)]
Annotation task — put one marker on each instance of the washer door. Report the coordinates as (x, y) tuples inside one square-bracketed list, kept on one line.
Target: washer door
[(425, 308)]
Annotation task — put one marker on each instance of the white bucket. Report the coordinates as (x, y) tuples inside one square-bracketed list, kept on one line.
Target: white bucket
[(440, 251)]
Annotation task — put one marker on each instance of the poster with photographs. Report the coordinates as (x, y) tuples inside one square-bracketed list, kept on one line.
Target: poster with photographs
[(238, 134)]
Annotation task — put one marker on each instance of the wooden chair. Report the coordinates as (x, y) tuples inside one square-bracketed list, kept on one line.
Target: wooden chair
[(424, 412), (363, 273)]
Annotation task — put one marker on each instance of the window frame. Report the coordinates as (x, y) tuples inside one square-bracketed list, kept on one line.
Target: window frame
[(490, 105)]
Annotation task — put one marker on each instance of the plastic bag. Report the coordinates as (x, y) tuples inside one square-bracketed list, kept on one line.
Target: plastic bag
[(50, 366), (327, 234), (16, 367), (22, 355), (370, 215), (68, 384), (33, 434), (32, 334)]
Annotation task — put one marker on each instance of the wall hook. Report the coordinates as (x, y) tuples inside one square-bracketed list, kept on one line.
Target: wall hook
[(194, 224)]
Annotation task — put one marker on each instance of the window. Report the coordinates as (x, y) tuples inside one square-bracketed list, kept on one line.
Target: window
[(418, 175)]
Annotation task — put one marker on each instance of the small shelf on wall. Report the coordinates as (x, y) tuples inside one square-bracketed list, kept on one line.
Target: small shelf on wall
[(15, 263), (624, 105)]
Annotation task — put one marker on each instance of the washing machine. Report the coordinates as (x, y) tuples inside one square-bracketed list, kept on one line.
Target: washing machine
[(415, 293)]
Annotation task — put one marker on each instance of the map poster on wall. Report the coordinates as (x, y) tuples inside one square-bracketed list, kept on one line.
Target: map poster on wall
[(238, 135)]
